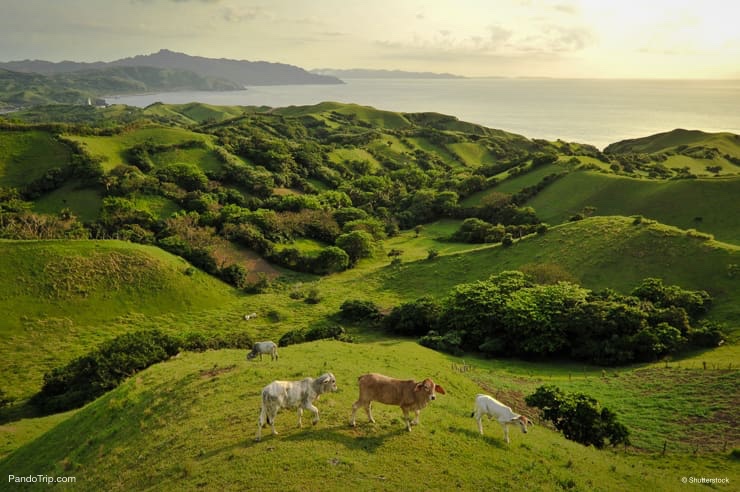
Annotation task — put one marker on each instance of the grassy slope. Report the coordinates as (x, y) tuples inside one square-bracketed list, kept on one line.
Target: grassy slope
[(190, 423), (113, 148), (69, 295), (27, 155), (726, 143), (84, 202), (675, 202), (599, 252)]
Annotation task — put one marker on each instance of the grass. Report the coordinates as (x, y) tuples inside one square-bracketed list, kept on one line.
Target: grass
[(726, 143), (474, 154), (84, 202), (599, 252), (191, 422), (27, 155), (66, 296), (688, 204), (113, 148)]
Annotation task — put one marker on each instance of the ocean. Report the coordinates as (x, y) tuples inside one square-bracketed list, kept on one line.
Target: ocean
[(594, 111)]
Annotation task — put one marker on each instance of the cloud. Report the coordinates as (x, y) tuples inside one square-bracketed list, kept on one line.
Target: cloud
[(236, 15), (566, 8)]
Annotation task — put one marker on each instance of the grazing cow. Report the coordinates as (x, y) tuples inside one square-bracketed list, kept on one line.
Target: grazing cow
[(409, 395), (293, 394), (247, 317), (485, 405), (260, 348)]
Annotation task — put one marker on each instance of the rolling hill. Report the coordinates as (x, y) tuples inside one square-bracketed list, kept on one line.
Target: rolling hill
[(191, 421), (69, 295), (253, 196), (688, 204)]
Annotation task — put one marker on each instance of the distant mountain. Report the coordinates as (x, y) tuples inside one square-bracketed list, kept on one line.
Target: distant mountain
[(18, 89), (365, 73), (240, 72)]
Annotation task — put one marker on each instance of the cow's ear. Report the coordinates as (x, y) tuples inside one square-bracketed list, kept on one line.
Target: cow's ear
[(418, 386), (439, 389)]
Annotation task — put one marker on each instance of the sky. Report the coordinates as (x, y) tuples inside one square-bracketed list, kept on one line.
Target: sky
[(477, 38)]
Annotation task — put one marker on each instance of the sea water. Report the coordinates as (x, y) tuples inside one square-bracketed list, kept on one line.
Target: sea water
[(594, 111)]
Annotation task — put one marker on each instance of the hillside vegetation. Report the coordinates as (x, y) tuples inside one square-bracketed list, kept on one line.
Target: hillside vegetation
[(65, 294), (185, 218)]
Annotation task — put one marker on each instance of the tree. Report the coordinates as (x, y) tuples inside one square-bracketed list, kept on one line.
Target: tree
[(357, 245), (330, 260)]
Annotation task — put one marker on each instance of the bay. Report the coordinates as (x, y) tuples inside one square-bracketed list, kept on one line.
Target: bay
[(594, 111)]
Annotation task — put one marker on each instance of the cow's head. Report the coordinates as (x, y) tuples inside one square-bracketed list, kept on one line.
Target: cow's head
[(328, 382), (251, 355), (522, 422), (428, 387)]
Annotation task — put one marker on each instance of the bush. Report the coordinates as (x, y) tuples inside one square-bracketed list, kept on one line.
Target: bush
[(320, 332), (449, 342), (313, 296), (87, 377), (579, 417), (413, 318), (359, 310)]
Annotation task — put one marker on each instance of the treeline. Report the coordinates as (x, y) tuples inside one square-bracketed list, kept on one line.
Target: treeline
[(508, 315)]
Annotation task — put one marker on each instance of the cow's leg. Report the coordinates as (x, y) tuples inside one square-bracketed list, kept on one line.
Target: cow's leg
[(479, 418), (315, 412), (260, 423), (355, 406), (406, 416), (271, 414), (416, 419), (506, 432), (369, 411), (300, 417)]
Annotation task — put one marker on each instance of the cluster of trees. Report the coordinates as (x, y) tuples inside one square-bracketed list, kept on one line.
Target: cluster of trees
[(511, 316), (89, 376), (579, 417), (347, 206)]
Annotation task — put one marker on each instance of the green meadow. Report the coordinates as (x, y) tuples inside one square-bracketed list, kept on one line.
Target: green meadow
[(192, 421), (189, 422)]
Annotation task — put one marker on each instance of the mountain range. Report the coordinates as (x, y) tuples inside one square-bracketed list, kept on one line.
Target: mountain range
[(240, 72)]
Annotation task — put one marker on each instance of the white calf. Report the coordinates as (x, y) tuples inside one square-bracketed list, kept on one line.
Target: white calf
[(485, 405), (247, 317), (293, 394), (260, 348)]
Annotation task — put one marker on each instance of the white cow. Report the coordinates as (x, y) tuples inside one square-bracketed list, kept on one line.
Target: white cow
[(260, 348), (247, 317), (293, 394), (485, 405)]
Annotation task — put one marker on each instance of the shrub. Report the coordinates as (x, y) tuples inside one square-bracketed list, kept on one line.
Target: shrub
[(413, 318), (579, 417), (449, 342), (359, 310), (87, 377), (314, 296), (432, 253), (235, 275)]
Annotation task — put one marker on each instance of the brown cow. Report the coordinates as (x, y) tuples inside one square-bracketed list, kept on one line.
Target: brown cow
[(408, 394)]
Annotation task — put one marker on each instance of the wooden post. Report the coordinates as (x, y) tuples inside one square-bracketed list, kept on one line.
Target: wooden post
[(664, 445)]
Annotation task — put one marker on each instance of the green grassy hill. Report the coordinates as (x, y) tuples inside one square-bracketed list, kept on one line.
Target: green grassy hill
[(27, 155), (190, 423), (726, 143), (113, 148), (599, 252), (67, 296), (702, 204)]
